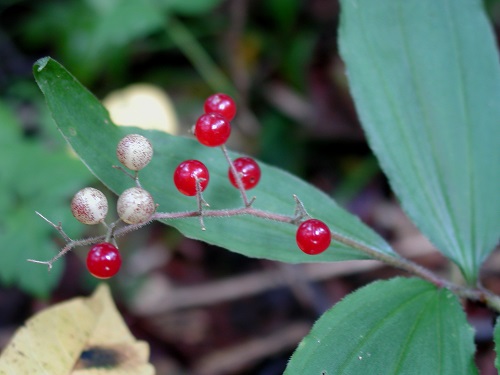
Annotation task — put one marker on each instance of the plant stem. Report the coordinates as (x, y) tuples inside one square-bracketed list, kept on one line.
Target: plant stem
[(475, 294), (237, 176)]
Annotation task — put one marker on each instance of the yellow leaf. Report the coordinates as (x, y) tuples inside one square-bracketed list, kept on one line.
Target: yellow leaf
[(83, 336), (143, 105)]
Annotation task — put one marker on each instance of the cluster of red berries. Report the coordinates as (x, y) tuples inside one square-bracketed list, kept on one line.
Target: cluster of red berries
[(191, 177), (213, 129)]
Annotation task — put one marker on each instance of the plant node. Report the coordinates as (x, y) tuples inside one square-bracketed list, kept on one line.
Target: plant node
[(300, 213)]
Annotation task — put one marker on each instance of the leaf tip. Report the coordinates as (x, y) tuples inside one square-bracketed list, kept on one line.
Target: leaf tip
[(41, 63)]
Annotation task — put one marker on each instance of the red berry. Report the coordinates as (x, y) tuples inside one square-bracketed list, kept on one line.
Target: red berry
[(212, 129), (248, 170), (222, 104), (185, 176), (103, 260), (313, 236)]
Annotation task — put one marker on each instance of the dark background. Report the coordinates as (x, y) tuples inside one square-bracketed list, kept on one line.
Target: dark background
[(279, 59)]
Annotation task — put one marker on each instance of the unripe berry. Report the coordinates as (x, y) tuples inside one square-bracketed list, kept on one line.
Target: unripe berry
[(89, 206), (134, 151), (135, 205)]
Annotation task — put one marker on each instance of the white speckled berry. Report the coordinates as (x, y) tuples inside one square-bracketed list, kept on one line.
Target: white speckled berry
[(134, 151), (135, 205), (89, 206)]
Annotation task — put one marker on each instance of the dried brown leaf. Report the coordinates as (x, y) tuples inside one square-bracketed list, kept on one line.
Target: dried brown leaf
[(83, 336)]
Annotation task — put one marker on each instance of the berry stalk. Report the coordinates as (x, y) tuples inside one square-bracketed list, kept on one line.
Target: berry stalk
[(237, 177), (136, 207), (476, 294)]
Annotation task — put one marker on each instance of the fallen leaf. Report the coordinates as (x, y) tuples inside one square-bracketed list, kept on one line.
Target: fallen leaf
[(143, 105), (83, 336)]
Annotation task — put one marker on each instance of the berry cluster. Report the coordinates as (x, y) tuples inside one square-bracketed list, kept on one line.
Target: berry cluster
[(213, 129), (136, 206)]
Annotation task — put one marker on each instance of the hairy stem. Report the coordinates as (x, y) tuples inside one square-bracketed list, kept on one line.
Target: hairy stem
[(475, 294)]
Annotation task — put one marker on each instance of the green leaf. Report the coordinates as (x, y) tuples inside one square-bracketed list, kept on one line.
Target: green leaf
[(191, 7), (11, 128), (426, 81), (120, 21), (45, 183), (27, 236), (95, 33), (401, 326), (284, 12), (33, 179), (87, 127)]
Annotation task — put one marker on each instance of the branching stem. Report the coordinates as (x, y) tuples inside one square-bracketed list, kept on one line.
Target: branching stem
[(475, 294), (114, 230)]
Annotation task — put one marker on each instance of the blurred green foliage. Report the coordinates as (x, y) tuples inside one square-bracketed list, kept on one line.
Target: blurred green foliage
[(190, 48), (33, 177), (234, 46), (38, 172), (93, 36)]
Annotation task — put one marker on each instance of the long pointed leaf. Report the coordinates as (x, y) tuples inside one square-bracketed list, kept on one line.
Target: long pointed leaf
[(87, 127), (426, 80)]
